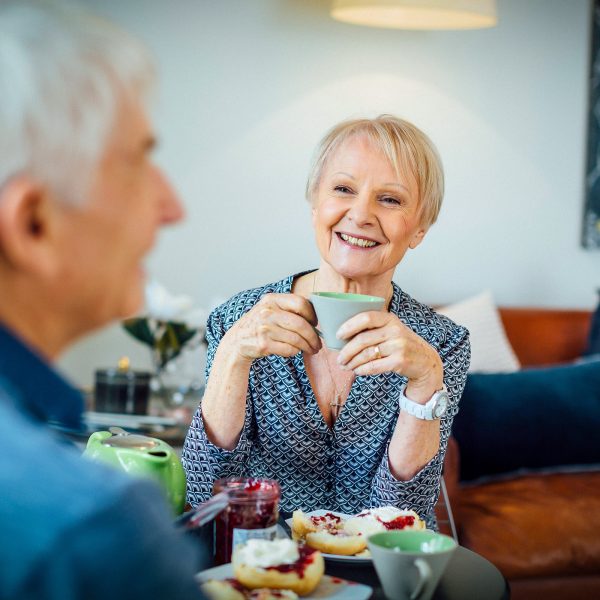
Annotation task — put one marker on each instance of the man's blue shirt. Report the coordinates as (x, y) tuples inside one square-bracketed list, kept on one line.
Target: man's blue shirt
[(69, 528)]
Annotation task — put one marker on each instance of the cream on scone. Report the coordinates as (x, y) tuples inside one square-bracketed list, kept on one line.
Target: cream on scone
[(385, 518), (278, 564)]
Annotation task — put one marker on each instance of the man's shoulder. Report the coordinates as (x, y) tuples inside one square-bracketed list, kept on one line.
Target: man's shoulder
[(57, 507)]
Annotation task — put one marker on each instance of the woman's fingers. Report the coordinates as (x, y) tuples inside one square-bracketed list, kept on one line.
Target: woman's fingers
[(281, 324), (295, 304), (361, 345), (391, 346), (371, 319)]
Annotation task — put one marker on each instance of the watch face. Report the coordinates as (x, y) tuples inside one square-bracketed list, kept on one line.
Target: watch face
[(441, 405)]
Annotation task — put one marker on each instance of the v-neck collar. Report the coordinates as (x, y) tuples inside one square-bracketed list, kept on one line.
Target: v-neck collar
[(359, 383)]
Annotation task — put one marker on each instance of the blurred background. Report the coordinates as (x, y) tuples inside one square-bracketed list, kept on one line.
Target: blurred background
[(248, 87)]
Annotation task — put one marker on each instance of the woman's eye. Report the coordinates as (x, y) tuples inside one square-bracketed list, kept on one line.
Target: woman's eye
[(342, 189), (390, 200)]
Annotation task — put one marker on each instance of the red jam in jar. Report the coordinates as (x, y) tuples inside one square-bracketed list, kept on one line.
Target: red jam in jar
[(253, 512)]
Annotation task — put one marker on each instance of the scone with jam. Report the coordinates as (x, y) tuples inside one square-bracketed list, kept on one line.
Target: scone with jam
[(279, 564)]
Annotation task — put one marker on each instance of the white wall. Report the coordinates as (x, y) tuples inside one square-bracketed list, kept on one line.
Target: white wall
[(247, 87)]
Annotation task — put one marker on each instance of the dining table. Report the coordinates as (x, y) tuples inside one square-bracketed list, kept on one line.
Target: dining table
[(468, 576)]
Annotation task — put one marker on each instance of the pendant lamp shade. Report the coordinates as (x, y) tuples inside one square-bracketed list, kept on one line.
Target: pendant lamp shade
[(417, 14)]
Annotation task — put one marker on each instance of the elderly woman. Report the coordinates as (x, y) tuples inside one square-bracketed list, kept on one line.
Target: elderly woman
[(368, 425)]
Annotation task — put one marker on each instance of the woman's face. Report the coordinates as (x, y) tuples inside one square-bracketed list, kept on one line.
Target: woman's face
[(365, 216)]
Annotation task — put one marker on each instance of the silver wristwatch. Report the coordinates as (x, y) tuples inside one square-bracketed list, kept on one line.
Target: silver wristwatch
[(435, 407)]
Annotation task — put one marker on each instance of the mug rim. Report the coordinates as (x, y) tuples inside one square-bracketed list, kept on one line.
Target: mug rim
[(348, 297), (419, 533)]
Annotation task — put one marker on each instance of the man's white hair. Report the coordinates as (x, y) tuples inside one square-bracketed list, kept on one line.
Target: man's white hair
[(63, 73)]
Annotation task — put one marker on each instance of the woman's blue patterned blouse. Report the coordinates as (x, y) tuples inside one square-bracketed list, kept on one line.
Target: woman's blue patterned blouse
[(285, 436)]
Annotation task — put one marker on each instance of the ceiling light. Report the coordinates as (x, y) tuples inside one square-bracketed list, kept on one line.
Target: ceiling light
[(417, 14)]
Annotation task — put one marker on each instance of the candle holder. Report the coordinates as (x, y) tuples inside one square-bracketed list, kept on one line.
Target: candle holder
[(122, 390)]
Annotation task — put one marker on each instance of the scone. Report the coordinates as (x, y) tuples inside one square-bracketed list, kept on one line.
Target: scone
[(336, 542), (374, 520), (268, 594), (279, 564), (232, 589), (303, 524), (223, 589)]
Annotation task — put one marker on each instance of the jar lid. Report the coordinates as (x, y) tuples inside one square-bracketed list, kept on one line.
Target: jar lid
[(247, 488), (134, 441), (115, 374)]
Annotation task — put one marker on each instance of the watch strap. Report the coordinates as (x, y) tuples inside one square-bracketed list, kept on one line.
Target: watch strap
[(420, 411)]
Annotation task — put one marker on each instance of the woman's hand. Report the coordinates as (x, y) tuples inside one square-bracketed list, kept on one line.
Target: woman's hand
[(379, 342), (281, 324)]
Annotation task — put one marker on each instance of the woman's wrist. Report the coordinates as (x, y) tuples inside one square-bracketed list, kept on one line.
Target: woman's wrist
[(232, 347), (421, 389)]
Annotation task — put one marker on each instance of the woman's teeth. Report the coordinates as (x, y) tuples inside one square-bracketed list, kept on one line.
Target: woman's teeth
[(357, 241)]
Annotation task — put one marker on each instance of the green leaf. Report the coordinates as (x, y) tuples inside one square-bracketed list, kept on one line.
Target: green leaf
[(139, 328)]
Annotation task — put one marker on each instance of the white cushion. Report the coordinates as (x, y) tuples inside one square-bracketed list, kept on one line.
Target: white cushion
[(491, 351)]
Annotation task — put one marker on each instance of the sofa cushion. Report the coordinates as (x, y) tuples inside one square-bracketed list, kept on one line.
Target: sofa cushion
[(491, 351), (531, 419), (534, 526)]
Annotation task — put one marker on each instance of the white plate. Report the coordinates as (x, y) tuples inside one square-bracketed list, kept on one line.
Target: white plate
[(125, 420), (358, 560), (332, 588)]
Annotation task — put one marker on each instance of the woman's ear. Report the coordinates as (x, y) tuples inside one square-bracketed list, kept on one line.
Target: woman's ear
[(25, 227), (417, 238)]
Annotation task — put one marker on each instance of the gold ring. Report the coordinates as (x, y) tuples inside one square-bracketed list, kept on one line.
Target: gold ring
[(377, 352)]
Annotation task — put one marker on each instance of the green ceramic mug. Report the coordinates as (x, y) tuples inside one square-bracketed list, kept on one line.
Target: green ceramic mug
[(335, 308), (409, 564)]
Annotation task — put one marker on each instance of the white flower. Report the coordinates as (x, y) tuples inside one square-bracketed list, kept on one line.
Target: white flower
[(163, 306)]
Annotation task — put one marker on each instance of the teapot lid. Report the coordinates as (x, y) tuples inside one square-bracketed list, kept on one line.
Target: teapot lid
[(123, 439)]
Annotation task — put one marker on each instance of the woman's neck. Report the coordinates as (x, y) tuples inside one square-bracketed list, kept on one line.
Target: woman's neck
[(325, 279)]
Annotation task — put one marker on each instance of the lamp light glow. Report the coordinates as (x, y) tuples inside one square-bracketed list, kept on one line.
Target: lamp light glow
[(417, 14)]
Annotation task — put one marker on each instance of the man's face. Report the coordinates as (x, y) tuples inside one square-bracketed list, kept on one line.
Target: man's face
[(103, 242)]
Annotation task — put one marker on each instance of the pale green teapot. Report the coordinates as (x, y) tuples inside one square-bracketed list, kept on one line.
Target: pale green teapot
[(142, 456)]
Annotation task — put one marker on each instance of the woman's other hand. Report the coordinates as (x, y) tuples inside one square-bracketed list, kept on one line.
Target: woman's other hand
[(379, 342), (281, 324)]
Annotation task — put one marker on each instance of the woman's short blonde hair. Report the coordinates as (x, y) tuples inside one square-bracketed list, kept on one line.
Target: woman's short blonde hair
[(406, 147)]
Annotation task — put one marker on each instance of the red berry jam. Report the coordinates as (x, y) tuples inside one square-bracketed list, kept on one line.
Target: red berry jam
[(306, 557), (399, 522), (235, 584), (253, 511), (329, 520)]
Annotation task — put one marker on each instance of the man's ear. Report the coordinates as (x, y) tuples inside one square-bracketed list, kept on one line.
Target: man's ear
[(417, 238), (25, 227)]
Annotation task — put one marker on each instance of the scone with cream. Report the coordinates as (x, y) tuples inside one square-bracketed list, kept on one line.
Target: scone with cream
[(278, 564), (303, 524), (326, 533), (374, 520)]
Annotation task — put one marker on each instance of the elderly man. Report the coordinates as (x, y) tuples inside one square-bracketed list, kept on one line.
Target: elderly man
[(80, 205)]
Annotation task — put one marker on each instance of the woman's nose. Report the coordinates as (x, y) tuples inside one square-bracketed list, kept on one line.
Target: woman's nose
[(361, 210)]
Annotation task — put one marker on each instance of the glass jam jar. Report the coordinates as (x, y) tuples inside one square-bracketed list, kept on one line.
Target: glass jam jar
[(253, 512)]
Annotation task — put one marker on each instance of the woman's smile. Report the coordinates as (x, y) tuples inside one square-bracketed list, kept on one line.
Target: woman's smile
[(356, 242)]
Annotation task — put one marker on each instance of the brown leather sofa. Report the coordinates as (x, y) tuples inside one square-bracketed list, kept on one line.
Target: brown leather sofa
[(542, 530)]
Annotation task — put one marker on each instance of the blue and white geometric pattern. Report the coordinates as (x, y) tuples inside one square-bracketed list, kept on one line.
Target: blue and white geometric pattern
[(285, 436)]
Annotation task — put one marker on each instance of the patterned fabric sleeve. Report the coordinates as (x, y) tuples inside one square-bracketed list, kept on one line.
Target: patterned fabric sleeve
[(202, 460), (421, 492)]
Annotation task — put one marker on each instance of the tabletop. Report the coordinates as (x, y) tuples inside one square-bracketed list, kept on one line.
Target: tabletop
[(468, 576)]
